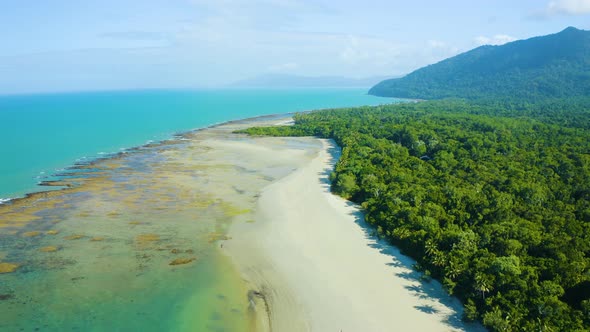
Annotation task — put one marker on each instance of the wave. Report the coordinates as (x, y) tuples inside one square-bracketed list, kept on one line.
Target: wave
[(5, 200)]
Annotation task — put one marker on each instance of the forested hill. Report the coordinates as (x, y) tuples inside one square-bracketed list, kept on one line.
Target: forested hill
[(552, 66)]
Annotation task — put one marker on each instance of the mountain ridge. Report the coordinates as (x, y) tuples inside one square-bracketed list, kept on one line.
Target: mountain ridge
[(556, 65)]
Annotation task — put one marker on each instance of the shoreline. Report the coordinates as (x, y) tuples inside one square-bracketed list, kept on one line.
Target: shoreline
[(85, 163), (291, 269), (314, 260), (153, 221)]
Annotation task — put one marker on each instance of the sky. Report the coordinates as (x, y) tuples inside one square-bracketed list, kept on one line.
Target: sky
[(72, 45)]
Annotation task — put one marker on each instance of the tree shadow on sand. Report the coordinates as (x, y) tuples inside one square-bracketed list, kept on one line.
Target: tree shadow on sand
[(429, 291), (426, 309)]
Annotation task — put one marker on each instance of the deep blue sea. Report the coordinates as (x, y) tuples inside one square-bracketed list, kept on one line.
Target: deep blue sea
[(44, 133)]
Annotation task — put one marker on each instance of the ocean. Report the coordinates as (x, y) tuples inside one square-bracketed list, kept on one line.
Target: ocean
[(135, 244), (42, 134)]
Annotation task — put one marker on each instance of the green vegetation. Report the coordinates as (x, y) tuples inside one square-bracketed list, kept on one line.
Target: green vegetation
[(555, 66), (492, 196), (492, 199)]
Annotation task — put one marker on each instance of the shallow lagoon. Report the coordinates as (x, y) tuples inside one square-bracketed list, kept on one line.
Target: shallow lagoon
[(134, 244)]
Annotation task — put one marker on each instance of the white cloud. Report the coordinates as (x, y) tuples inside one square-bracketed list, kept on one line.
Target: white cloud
[(494, 40), (569, 7), (257, 14), (205, 42), (283, 67), (368, 50), (441, 49), (437, 44)]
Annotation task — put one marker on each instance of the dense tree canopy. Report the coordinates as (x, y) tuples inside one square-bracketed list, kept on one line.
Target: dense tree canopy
[(492, 199)]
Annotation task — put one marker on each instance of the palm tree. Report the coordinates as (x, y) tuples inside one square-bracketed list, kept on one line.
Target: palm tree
[(482, 284)]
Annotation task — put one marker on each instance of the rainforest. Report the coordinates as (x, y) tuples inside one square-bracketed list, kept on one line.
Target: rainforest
[(490, 198)]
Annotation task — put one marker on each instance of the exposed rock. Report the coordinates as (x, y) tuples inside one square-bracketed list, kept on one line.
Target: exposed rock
[(8, 267), (49, 249), (214, 237), (74, 237), (147, 238), (31, 234), (52, 232), (182, 261)]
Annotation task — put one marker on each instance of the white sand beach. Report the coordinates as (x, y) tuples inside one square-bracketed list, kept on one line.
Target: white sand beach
[(319, 269)]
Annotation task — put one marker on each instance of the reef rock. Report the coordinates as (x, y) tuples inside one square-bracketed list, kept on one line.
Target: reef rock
[(8, 267), (182, 261)]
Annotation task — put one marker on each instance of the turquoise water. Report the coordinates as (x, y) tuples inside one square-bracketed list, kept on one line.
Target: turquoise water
[(135, 246), (41, 134)]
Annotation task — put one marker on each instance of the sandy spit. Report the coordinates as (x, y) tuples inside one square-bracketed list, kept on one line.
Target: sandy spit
[(314, 261)]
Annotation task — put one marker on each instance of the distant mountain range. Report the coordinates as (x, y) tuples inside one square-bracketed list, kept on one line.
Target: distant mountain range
[(552, 66), (295, 81)]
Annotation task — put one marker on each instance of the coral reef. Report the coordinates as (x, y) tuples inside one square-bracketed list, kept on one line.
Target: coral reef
[(8, 267), (182, 261), (74, 237), (146, 238), (214, 237), (49, 249)]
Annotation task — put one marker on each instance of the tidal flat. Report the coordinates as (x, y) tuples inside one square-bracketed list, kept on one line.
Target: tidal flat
[(132, 242)]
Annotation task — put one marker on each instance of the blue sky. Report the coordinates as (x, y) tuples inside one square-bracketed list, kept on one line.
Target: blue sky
[(67, 45)]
